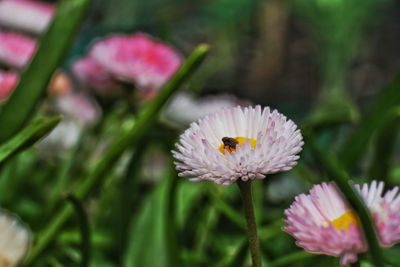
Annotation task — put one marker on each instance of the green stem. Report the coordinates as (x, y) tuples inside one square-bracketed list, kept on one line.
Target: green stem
[(341, 178), (245, 192), (171, 230), (85, 229), (380, 110), (128, 139)]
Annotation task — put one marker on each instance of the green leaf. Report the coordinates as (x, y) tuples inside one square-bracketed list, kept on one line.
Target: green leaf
[(84, 229), (27, 137), (384, 147), (355, 146), (33, 82), (335, 107), (147, 232), (128, 139)]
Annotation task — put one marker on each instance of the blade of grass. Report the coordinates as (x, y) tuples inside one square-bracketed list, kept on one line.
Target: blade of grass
[(27, 137), (384, 147), (33, 82), (341, 178), (355, 145), (129, 139), (170, 224), (85, 229)]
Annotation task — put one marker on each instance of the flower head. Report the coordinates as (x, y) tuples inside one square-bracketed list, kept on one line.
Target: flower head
[(26, 15), (8, 81), (137, 58), (238, 143), (95, 76), (385, 210), (14, 240), (16, 50), (323, 221)]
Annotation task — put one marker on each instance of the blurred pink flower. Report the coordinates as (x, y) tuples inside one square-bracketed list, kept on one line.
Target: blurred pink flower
[(138, 58), (94, 75), (79, 108), (16, 50), (26, 15), (8, 81), (323, 221)]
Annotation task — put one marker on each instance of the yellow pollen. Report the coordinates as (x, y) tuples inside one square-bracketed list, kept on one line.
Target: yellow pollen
[(343, 222), (240, 140)]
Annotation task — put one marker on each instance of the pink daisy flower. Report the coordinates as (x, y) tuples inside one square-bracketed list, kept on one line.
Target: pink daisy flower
[(137, 58), (94, 75), (26, 15), (323, 221), (16, 50), (8, 81), (385, 210), (238, 143)]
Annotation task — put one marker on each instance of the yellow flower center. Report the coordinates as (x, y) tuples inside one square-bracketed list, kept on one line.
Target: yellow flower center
[(343, 222), (229, 143)]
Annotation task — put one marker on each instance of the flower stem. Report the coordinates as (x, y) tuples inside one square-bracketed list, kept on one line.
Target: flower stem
[(245, 192)]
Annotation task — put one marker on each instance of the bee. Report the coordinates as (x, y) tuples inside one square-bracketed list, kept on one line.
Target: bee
[(230, 142)]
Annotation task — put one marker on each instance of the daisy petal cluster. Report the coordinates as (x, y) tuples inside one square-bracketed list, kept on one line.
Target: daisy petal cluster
[(16, 50), (138, 59), (385, 209), (15, 240), (324, 222), (26, 15), (238, 143)]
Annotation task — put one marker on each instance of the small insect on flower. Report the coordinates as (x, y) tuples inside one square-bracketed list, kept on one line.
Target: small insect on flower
[(238, 143), (229, 142)]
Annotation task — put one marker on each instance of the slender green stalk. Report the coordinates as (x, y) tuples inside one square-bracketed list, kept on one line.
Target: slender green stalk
[(85, 230), (355, 147), (384, 147), (245, 192), (33, 82), (341, 178), (128, 139), (171, 230), (129, 197), (27, 137)]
